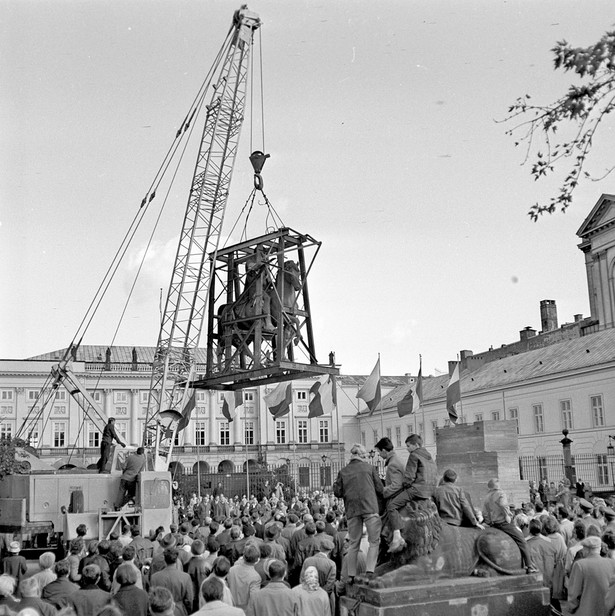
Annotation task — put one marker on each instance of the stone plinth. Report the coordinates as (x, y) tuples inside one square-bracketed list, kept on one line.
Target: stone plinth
[(480, 451), (518, 595)]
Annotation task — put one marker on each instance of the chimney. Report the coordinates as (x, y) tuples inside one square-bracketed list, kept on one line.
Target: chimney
[(526, 333), (465, 354), (548, 315), (409, 378), (578, 317)]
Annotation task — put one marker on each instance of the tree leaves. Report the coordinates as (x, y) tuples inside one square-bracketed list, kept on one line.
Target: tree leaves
[(580, 110), (9, 462)]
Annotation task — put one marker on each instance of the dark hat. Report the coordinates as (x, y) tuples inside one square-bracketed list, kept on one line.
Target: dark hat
[(168, 541), (585, 505)]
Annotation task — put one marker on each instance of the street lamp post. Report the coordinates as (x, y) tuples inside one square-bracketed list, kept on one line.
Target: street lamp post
[(568, 468), (610, 455)]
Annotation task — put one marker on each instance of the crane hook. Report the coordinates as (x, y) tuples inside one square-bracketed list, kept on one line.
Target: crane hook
[(258, 158)]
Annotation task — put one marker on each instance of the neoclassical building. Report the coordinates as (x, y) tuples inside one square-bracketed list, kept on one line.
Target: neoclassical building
[(559, 378)]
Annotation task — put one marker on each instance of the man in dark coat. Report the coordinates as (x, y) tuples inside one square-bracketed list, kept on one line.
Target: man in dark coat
[(360, 486), (129, 598), (419, 482), (453, 505), (178, 582), (108, 436), (135, 463), (58, 591), (89, 599)]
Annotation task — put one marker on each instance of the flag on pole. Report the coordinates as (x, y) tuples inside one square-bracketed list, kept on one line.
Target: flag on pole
[(453, 395), (411, 402), (187, 412), (279, 400), (322, 403), (370, 392), (230, 401)]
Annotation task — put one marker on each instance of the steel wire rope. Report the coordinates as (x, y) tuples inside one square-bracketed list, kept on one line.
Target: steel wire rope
[(153, 232), (130, 233), (150, 194)]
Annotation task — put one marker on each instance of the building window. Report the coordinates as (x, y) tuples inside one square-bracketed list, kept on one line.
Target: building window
[(539, 423), (478, 417), (59, 433), (6, 394), (302, 394), (389, 434), (304, 476), (434, 428), (602, 468), (411, 430), (363, 438), (495, 415), (120, 397), (514, 414), (121, 427), (597, 411), (33, 435), (97, 396), (121, 411), (61, 394), (376, 439), (542, 467), (280, 432), (249, 433), (566, 412), (146, 439), (93, 436), (323, 431), (200, 433), (397, 436), (59, 409), (143, 396), (302, 408), (6, 429), (302, 431), (33, 395), (248, 396), (225, 433), (421, 431)]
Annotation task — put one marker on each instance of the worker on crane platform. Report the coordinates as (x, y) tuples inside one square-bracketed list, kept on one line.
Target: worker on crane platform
[(108, 436)]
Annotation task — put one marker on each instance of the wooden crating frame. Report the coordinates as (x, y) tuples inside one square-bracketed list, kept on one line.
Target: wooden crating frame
[(259, 325)]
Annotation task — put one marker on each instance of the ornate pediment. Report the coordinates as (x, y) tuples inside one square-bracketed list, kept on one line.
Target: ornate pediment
[(600, 218)]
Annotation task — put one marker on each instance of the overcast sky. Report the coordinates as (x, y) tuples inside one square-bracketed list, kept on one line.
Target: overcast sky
[(380, 121)]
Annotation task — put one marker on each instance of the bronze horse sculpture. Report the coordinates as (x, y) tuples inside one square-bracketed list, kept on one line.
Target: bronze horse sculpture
[(262, 300)]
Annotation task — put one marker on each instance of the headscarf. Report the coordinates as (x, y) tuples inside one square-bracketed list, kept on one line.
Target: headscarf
[(309, 579)]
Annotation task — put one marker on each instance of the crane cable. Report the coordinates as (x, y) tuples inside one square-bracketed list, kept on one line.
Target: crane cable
[(186, 124)]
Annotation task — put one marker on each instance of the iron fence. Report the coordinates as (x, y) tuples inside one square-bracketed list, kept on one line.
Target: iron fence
[(259, 479), (595, 470)]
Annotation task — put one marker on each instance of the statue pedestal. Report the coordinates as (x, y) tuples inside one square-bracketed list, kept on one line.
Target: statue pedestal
[(516, 595), (480, 451)]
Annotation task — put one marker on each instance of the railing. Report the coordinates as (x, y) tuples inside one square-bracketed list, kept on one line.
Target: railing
[(595, 470)]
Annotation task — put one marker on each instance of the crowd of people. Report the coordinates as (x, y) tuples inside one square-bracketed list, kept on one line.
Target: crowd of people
[(222, 557)]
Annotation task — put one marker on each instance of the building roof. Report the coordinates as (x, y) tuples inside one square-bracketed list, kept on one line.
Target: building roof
[(589, 351)]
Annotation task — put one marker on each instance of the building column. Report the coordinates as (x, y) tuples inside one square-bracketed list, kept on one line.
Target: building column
[(108, 400), (237, 429), (212, 407), (134, 418), (20, 409)]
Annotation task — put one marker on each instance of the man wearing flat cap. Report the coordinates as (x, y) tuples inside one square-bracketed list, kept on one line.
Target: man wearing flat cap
[(589, 580), (586, 515)]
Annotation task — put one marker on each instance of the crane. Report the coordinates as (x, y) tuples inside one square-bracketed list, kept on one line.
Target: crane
[(186, 302)]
